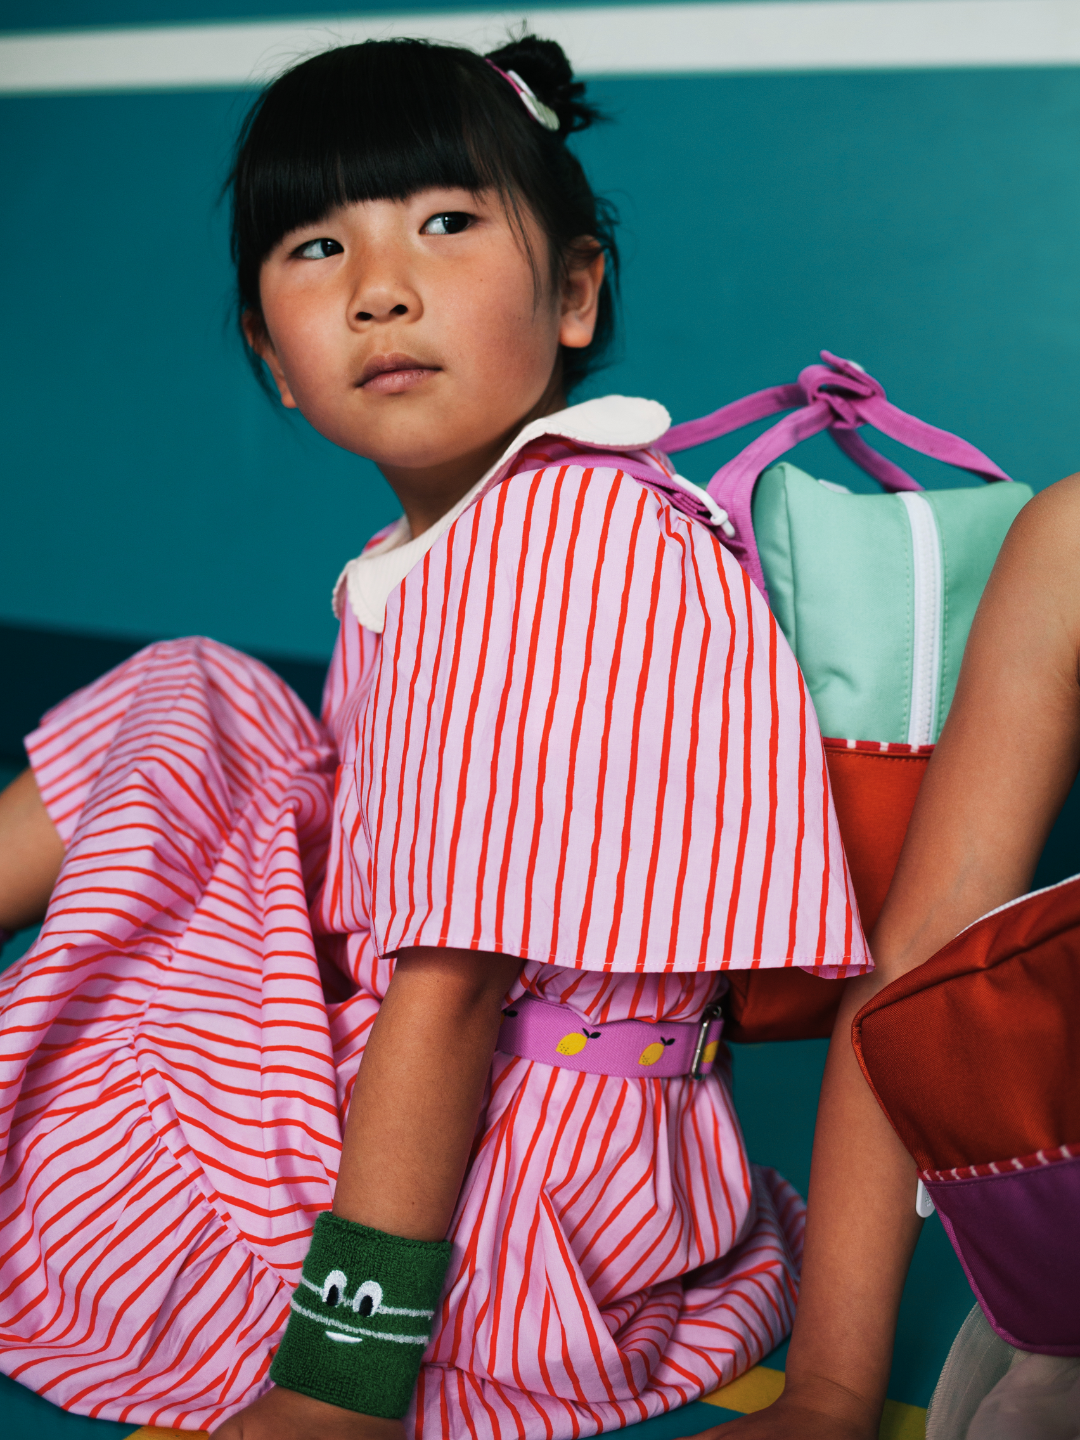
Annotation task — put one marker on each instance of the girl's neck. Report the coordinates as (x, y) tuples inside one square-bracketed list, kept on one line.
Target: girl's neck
[(427, 494)]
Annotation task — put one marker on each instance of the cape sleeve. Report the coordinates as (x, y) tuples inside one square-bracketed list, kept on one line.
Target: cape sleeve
[(589, 745)]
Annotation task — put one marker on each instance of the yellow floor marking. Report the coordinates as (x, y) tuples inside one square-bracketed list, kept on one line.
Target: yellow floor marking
[(902, 1422), (760, 1386), (755, 1390), (155, 1432)]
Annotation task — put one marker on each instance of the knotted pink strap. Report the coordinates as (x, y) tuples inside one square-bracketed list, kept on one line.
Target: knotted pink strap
[(838, 396)]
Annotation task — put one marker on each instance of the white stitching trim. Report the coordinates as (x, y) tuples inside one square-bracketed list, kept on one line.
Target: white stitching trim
[(717, 512), (382, 1309), (359, 1329)]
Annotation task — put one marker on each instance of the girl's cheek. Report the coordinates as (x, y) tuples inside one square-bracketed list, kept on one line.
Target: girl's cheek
[(525, 336)]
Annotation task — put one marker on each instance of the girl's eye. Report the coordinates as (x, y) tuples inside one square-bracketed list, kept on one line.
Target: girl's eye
[(320, 249), (452, 223)]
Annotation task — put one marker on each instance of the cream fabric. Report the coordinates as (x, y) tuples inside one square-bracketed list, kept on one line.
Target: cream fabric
[(619, 421), (989, 1390)]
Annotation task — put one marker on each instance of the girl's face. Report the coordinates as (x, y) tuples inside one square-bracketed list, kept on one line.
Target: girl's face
[(413, 332)]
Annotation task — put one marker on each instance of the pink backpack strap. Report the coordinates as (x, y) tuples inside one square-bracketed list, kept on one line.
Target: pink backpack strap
[(838, 396), (689, 499)]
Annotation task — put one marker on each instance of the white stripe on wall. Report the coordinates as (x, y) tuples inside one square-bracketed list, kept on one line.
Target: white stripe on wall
[(813, 35)]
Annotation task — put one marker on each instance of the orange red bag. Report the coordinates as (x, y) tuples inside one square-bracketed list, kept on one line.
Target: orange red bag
[(973, 1057), (874, 788)]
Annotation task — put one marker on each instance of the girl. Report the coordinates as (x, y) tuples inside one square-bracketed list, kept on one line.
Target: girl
[(567, 774)]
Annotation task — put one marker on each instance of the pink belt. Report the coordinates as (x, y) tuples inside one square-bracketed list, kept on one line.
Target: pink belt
[(661, 1049)]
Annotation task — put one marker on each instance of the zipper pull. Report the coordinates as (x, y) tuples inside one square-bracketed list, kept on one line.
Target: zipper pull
[(924, 1206)]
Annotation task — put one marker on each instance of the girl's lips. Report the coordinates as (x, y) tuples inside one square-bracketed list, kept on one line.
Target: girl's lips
[(391, 374), (392, 382)]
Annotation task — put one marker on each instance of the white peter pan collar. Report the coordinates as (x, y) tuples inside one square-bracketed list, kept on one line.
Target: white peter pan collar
[(617, 422)]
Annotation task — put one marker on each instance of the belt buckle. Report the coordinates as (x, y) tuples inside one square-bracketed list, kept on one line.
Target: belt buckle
[(708, 1015)]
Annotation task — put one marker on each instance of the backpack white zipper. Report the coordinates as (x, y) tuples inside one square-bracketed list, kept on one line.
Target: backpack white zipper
[(929, 600)]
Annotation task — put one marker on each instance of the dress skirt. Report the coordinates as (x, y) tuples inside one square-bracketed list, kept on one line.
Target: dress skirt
[(178, 1049)]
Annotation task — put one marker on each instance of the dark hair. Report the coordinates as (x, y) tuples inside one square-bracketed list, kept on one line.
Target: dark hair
[(384, 119)]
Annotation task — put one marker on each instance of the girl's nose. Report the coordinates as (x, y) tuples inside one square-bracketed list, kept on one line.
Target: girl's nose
[(381, 300), (376, 314)]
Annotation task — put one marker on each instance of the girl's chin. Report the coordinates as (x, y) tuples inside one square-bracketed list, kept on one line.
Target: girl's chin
[(414, 437)]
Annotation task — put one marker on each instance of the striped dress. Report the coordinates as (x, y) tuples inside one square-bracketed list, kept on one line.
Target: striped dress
[(571, 733)]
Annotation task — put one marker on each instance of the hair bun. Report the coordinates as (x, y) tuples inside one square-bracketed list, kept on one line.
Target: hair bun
[(543, 65)]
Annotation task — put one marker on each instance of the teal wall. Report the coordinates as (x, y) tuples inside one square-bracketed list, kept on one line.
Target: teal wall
[(925, 223)]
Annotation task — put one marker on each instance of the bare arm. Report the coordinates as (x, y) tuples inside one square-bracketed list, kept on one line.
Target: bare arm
[(30, 854), (1008, 754), (410, 1127), (1010, 748), (419, 1089)]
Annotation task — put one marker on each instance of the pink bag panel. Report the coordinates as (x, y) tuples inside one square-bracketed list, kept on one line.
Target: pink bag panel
[(1016, 1234)]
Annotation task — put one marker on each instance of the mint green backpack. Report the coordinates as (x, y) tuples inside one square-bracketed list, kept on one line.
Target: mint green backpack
[(875, 593)]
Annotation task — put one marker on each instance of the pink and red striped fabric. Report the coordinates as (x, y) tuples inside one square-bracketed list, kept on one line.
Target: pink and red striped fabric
[(579, 739), (588, 744)]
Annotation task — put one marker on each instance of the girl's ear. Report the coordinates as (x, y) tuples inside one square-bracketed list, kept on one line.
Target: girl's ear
[(581, 294), (258, 337)]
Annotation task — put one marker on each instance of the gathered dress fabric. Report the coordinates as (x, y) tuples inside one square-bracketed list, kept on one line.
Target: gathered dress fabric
[(580, 739)]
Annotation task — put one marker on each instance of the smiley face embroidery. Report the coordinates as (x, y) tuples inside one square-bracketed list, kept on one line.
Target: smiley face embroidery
[(337, 1307)]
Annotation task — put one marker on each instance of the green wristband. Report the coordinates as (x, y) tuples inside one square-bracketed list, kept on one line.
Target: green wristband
[(361, 1317)]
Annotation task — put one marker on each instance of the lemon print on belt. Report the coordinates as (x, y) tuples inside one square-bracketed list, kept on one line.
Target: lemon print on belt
[(652, 1053), (575, 1042)]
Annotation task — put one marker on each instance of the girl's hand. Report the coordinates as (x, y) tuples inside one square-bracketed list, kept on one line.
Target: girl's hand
[(787, 1419), (285, 1415)]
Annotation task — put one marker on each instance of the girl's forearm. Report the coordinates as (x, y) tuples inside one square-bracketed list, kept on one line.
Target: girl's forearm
[(861, 1231), (418, 1093), (30, 854)]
